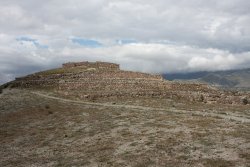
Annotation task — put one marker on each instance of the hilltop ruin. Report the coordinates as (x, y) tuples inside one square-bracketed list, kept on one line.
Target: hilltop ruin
[(98, 64), (93, 80)]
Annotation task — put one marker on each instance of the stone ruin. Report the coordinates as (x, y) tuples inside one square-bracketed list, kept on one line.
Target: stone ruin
[(98, 64), (91, 80)]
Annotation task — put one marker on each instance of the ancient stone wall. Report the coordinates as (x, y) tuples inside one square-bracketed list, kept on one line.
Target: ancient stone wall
[(87, 64), (112, 83), (87, 84), (110, 74)]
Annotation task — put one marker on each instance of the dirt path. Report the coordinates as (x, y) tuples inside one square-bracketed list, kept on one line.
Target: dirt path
[(230, 116)]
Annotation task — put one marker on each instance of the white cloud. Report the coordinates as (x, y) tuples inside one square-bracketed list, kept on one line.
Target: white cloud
[(170, 35)]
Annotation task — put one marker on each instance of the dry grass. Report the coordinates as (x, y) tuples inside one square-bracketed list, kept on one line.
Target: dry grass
[(37, 131)]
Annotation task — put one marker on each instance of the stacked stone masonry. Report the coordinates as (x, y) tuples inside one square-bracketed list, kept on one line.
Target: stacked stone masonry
[(87, 64), (116, 83)]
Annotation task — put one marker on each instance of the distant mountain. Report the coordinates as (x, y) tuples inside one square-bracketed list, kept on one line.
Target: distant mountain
[(233, 79)]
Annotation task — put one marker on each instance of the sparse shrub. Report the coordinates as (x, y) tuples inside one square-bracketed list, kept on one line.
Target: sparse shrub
[(1, 90), (201, 98), (5, 85), (50, 112), (244, 101), (47, 106)]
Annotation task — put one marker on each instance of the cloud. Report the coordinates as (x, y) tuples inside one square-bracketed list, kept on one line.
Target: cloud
[(152, 58), (143, 35)]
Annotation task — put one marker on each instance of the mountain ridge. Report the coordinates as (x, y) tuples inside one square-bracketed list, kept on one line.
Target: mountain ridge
[(231, 79)]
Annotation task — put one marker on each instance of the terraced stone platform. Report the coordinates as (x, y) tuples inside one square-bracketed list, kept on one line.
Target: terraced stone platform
[(92, 80)]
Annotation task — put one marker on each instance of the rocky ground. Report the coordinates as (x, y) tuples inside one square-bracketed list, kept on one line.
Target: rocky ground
[(40, 129)]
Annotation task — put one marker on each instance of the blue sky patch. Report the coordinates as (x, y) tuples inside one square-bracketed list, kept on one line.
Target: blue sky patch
[(125, 41), (26, 39), (34, 41), (86, 42)]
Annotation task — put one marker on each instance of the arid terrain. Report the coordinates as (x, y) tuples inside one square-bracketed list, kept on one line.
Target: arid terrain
[(40, 127), (42, 130)]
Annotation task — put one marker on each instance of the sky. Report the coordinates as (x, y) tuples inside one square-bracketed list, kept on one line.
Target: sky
[(155, 36)]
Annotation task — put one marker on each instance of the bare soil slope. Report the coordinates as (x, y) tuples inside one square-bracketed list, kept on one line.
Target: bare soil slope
[(39, 129)]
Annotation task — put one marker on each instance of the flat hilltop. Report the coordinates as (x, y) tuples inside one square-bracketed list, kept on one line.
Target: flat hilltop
[(101, 81), (94, 114)]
